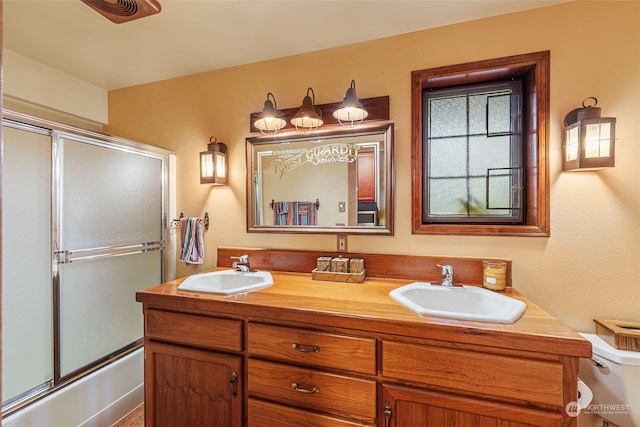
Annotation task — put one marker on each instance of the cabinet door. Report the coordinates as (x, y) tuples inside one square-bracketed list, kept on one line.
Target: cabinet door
[(191, 387), (403, 406), (366, 176)]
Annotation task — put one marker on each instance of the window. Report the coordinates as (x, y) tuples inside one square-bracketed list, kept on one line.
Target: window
[(479, 147), (473, 154)]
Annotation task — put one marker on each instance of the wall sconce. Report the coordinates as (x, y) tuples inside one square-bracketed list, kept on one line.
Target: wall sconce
[(214, 163), (309, 117), (589, 140), (271, 120), (351, 113)]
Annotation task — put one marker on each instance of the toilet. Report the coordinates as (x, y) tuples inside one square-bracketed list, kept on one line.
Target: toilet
[(613, 376)]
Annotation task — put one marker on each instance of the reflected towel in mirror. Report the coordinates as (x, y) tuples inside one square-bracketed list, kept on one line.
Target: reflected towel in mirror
[(295, 213)]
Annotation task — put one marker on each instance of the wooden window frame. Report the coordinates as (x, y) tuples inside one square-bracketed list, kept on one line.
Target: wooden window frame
[(534, 69)]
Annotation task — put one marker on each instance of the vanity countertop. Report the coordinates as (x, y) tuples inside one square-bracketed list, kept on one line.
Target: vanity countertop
[(367, 306)]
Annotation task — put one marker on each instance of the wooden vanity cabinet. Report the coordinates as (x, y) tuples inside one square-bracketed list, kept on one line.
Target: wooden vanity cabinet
[(296, 355), (190, 377), (314, 376)]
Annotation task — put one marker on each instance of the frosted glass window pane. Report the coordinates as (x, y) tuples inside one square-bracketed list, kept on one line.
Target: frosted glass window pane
[(488, 152), (478, 197), (478, 115), (472, 131), (500, 195), (448, 117), (460, 197), (109, 197), (499, 114), (448, 157), (27, 341), (448, 196), (98, 309)]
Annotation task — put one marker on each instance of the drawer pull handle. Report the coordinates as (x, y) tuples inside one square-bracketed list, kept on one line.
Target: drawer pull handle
[(313, 349), (303, 390), (387, 414), (233, 382)]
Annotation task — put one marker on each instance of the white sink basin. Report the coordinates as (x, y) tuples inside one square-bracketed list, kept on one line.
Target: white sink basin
[(464, 303), (227, 282)]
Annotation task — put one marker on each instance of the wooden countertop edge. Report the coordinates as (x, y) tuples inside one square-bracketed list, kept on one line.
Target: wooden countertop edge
[(535, 331)]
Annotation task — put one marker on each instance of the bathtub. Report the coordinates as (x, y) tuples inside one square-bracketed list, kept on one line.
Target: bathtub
[(97, 400)]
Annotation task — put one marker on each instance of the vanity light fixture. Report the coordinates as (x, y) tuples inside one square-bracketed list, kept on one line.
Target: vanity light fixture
[(214, 163), (589, 140), (271, 120), (309, 117), (351, 113)]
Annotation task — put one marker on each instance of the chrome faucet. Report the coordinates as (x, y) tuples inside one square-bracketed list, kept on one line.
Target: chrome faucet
[(242, 264), (446, 276)]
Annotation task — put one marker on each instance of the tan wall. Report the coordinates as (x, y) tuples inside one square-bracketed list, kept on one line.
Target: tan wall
[(34, 88), (588, 268)]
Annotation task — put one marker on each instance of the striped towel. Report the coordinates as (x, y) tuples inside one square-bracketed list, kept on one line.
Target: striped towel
[(295, 213), (192, 241)]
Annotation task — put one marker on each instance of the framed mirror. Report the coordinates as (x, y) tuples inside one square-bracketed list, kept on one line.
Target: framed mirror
[(335, 181)]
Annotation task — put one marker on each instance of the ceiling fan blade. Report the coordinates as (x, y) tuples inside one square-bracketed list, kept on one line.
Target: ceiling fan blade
[(120, 11)]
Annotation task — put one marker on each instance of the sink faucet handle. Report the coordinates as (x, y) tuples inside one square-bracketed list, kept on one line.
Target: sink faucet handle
[(446, 274), (241, 267), (446, 268), (243, 259), (242, 264)]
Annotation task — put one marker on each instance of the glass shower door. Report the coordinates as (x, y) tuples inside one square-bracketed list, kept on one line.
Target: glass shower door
[(27, 297), (108, 245)]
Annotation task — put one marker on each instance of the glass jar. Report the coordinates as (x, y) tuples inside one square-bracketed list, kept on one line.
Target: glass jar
[(494, 275)]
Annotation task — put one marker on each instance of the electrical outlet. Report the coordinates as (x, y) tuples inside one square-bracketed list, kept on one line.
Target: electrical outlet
[(342, 242)]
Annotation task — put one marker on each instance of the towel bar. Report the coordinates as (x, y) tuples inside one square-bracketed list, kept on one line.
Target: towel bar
[(273, 203), (204, 221)]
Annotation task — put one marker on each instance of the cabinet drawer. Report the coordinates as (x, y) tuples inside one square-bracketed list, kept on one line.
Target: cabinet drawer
[(192, 329), (313, 389), (261, 414), (528, 380), (313, 348)]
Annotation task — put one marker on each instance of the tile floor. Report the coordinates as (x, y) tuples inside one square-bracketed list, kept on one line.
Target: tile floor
[(134, 419)]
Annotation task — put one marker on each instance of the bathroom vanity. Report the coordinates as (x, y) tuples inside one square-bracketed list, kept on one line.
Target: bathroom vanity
[(315, 353)]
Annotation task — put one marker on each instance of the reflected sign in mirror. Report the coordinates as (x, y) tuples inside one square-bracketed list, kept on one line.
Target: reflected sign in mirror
[(338, 181)]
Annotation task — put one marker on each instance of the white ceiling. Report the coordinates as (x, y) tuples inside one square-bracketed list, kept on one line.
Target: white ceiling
[(192, 36)]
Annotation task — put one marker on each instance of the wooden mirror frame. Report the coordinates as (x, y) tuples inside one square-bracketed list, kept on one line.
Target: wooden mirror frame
[(389, 180)]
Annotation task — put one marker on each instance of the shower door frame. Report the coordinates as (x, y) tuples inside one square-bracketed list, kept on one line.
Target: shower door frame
[(58, 131)]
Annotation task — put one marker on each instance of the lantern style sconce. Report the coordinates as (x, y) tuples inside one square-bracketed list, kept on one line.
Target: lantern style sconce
[(309, 117), (214, 163), (589, 140), (271, 120), (350, 113)]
